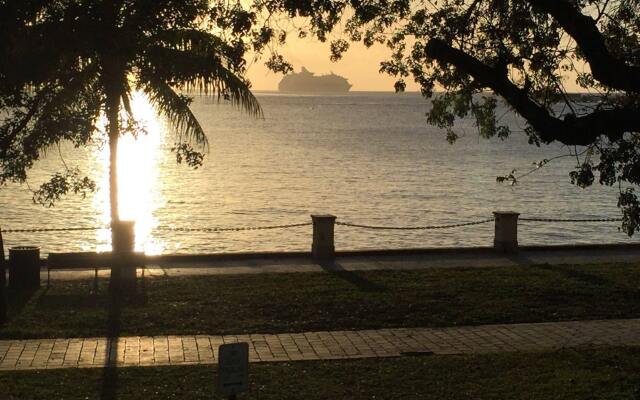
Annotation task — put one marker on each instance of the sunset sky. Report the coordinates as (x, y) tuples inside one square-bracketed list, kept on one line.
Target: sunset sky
[(359, 65)]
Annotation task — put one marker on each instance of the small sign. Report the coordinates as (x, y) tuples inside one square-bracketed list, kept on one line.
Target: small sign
[(233, 368)]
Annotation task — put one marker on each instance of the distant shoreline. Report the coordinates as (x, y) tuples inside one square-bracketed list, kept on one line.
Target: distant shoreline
[(352, 92), (335, 93)]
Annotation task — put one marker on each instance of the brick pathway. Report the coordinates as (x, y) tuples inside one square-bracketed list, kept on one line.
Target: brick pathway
[(202, 349)]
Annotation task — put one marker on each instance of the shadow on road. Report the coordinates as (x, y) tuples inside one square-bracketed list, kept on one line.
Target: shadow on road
[(118, 298), (110, 371)]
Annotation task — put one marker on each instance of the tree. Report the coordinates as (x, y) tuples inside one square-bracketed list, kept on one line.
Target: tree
[(65, 63), (522, 51)]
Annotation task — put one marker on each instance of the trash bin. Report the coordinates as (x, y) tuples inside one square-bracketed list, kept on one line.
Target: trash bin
[(24, 267)]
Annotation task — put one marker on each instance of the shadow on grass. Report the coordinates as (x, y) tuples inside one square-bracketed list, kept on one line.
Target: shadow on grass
[(352, 277), (519, 259), (17, 300), (65, 301), (568, 271), (580, 276)]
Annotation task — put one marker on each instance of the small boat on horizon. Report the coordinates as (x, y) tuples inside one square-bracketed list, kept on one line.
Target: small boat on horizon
[(307, 82)]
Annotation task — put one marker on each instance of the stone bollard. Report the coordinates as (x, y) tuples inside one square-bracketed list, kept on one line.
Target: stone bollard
[(123, 245), (323, 247), (506, 231)]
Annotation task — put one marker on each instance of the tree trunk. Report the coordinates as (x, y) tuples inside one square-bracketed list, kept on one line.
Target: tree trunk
[(113, 109), (123, 273)]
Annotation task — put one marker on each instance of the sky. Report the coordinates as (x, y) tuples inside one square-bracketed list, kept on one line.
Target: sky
[(359, 65)]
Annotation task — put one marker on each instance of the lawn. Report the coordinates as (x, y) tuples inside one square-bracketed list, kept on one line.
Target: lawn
[(568, 374), (272, 303)]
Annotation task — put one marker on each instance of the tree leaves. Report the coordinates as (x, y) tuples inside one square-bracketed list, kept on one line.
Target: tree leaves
[(60, 184), (87, 50)]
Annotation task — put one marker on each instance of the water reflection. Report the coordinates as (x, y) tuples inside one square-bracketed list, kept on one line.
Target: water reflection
[(139, 195)]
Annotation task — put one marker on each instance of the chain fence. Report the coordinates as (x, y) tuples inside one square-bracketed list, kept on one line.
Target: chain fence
[(159, 228), (296, 225), (570, 220), (243, 228), (411, 228), (36, 230)]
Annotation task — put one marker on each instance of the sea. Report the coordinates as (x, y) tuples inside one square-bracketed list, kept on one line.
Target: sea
[(367, 158)]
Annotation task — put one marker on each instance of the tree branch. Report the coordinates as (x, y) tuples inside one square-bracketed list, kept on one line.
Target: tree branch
[(573, 130), (606, 68)]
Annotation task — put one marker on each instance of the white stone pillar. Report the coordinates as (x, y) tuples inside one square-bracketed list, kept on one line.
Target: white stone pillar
[(323, 247), (123, 246), (506, 231)]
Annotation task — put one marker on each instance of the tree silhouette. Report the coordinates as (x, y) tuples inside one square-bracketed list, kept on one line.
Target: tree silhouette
[(522, 51), (65, 63)]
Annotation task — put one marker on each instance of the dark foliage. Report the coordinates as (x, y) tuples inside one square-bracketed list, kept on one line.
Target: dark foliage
[(64, 64)]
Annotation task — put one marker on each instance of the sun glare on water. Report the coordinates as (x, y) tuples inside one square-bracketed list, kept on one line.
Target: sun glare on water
[(139, 197)]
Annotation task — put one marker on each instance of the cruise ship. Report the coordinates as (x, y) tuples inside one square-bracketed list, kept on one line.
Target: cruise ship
[(307, 82)]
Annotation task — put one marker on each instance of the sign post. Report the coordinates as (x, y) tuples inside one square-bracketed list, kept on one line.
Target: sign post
[(3, 283), (233, 369)]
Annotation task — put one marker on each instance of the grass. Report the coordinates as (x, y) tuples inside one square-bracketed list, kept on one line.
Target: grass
[(568, 374), (292, 302)]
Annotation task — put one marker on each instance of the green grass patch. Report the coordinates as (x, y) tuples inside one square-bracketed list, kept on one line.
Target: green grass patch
[(294, 302), (568, 374)]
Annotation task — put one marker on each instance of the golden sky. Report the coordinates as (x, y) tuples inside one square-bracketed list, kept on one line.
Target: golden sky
[(359, 65)]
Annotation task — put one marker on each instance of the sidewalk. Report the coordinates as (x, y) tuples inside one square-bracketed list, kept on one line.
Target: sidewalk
[(202, 349), (377, 260)]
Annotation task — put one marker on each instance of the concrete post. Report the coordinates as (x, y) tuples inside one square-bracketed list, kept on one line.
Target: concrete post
[(122, 251), (323, 247), (3, 283), (506, 231)]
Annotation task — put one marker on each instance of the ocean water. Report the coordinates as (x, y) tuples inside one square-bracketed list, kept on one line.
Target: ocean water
[(368, 158)]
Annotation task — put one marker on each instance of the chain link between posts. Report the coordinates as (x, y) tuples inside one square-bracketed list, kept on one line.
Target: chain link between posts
[(410, 228), (570, 220), (32, 230), (244, 228)]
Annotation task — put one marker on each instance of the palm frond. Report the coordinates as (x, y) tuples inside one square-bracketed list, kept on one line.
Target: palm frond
[(176, 108), (206, 74), (126, 98), (194, 40), (64, 109), (50, 112)]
